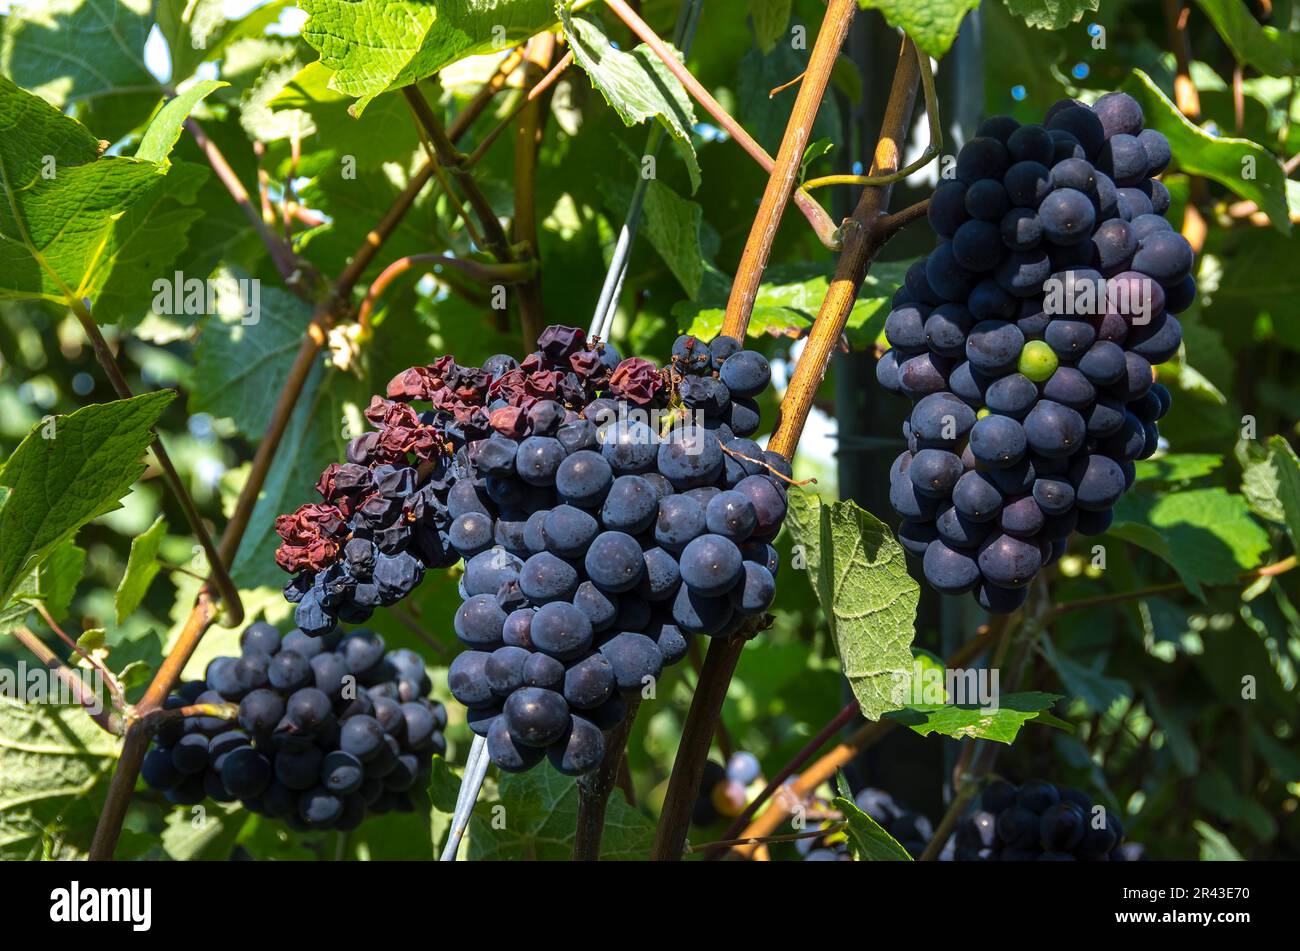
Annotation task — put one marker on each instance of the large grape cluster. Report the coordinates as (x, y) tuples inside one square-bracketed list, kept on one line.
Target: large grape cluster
[(1026, 340), (606, 510), (1039, 821), (330, 729)]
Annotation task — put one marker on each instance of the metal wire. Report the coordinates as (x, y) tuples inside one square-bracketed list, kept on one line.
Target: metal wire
[(471, 784)]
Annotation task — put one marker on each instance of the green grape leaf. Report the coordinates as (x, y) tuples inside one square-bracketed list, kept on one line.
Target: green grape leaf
[(376, 45), (235, 359), (1207, 535), (541, 812), (1245, 167), (142, 567), (56, 578), (788, 300), (53, 759), (160, 138), (770, 18), (932, 24), (1174, 724), (971, 721), (197, 31), (83, 54), (1261, 486), (811, 154), (1178, 467), (1288, 484), (256, 115), (859, 574), (384, 133), (1052, 14), (144, 245), (207, 832), (868, 840), (1284, 763), (636, 84), (67, 471), (62, 200), (1266, 48)]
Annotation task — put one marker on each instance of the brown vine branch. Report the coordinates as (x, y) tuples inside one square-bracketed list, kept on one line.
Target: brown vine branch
[(528, 140), (536, 91), (480, 271), (861, 243), (595, 787), (105, 717), (1118, 597), (483, 97), (693, 749), (291, 268), (229, 593), (891, 224), (785, 170), (817, 216)]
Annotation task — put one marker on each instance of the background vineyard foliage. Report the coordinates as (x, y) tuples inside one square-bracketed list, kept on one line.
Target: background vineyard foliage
[(1151, 686)]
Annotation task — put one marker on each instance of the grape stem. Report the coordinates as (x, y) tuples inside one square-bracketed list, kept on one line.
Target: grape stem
[(296, 273), (114, 687), (736, 453), (334, 302), (594, 788), (861, 243), (817, 216), (929, 154), (106, 717)]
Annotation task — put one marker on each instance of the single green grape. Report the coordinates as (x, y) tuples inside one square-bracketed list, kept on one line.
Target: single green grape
[(984, 411), (1037, 361)]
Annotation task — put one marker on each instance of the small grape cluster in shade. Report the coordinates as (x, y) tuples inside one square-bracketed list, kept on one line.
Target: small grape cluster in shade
[(1040, 821), (910, 829), (606, 509), (329, 730), (724, 790), (1026, 342)]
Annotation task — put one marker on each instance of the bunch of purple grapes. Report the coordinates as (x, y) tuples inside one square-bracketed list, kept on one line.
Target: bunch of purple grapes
[(606, 510), (330, 729), (1026, 342), (1039, 821)]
